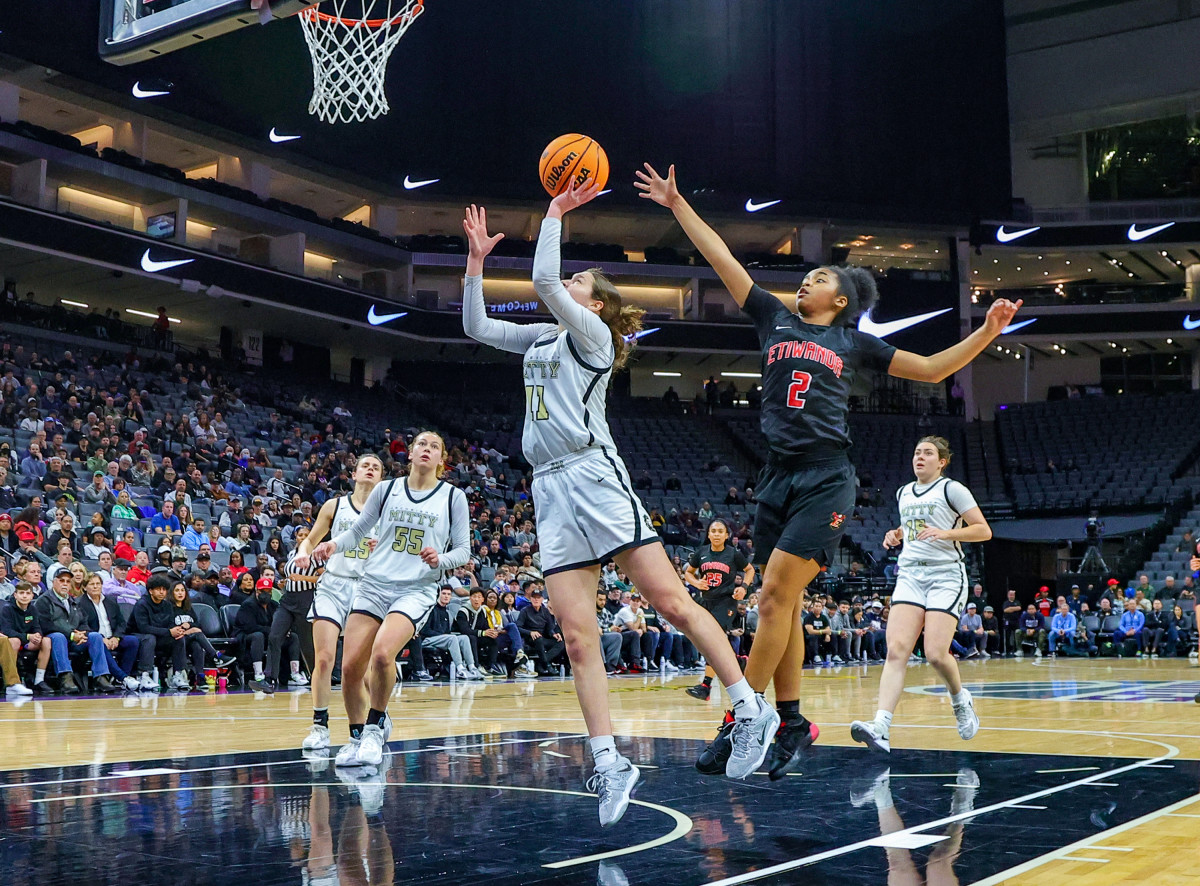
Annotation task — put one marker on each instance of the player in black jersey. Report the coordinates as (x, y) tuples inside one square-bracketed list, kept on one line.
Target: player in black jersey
[(712, 570), (811, 353)]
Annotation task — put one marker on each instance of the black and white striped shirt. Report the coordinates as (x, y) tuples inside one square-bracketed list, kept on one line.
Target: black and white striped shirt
[(301, 579)]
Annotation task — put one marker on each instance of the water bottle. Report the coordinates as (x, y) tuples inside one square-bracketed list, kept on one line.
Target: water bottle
[(155, 677)]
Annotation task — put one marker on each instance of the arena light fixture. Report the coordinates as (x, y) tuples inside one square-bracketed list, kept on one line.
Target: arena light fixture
[(741, 375), (138, 313), (79, 304), (668, 374)]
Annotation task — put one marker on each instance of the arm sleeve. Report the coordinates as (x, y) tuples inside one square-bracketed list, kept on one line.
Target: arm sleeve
[(871, 352), (513, 337), (367, 518), (694, 559), (460, 533), (586, 328), (959, 497)]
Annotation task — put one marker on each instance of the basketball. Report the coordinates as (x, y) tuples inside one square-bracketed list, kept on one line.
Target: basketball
[(572, 156)]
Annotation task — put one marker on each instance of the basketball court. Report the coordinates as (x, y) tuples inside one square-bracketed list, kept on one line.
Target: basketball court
[(1082, 772)]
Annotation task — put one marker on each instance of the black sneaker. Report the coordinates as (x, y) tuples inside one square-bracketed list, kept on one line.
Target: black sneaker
[(699, 691), (262, 686), (790, 740), (713, 758)]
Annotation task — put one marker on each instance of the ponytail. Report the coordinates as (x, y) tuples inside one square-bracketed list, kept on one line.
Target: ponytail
[(623, 321), (858, 285)]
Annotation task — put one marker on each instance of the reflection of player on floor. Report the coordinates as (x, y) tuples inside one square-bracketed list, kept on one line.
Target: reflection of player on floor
[(810, 359), (713, 570), (937, 515), (939, 869), (331, 603), (424, 530), (587, 511)]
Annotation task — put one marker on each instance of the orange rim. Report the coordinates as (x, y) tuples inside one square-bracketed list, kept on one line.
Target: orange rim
[(312, 13)]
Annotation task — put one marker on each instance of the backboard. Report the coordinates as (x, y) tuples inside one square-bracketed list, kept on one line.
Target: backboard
[(137, 30)]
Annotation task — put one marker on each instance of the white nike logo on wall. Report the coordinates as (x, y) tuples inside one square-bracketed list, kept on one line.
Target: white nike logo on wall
[(138, 92), (883, 330), (1189, 324), (277, 138), (409, 184), (379, 319), (751, 206), (153, 267), (1013, 327), (1008, 236), (1135, 235)]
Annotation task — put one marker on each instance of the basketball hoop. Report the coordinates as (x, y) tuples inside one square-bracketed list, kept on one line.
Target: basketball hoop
[(350, 55)]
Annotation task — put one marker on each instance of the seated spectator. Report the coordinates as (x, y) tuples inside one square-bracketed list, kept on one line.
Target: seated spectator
[(63, 560), (1030, 631), (165, 521), (119, 587), (64, 530), (103, 616), (610, 634), (438, 634), (1129, 632), (1155, 629), (202, 580), (125, 549), (541, 633), (195, 536), (242, 588), (638, 645), (98, 493), (97, 543), (242, 543), (59, 617), (19, 628), (1169, 590), (970, 632), (7, 587), (991, 631), (195, 642), (818, 634), (237, 564), (1062, 628), (474, 622), (842, 626), (251, 629), (139, 573)]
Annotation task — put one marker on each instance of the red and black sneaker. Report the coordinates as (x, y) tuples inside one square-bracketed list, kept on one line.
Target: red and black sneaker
[(700, 691), (792, 738), (713, 758)]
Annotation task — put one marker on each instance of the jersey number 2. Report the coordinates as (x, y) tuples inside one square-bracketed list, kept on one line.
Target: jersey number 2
[(535, 399), (799, 385)]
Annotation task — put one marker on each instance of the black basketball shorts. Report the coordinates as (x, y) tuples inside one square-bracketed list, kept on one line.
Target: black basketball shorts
[(803, 510)]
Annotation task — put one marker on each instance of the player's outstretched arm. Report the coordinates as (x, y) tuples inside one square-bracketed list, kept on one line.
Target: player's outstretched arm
[(943, 364), (513, 337), (664, 192)]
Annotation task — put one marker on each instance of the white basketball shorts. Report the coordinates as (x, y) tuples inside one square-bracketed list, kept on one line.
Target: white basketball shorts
[(938, 588), (379, 599), (331, 602)]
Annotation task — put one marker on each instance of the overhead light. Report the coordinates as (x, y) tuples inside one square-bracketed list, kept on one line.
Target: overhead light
[(148, 314), (79, 304), (741, 375), (1017, 356), (668, 374), (1170, 341)]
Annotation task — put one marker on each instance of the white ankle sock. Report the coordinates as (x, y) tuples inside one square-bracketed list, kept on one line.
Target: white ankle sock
[(883, 721), (961, 697), (604, 751), (40, 676), (745, 703), (258, 670)]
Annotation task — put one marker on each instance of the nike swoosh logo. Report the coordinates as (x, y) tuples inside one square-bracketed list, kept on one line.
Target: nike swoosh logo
[(883, 330), (1013, 327), (277, 138), (1190, 324), (783, 327), (1135, 235), (1008, 236), (138, 92), (153, 267), (637, 335), (751, 206), (409, 184), (379, 319)]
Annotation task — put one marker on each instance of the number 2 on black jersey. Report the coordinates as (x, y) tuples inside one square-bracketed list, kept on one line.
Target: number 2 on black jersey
[(799, 385)]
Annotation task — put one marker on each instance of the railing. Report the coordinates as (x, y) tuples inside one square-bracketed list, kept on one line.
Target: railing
[(1136, 210)]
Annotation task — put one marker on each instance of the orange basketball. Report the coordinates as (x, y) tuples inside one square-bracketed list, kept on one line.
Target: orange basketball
[(572, 157)]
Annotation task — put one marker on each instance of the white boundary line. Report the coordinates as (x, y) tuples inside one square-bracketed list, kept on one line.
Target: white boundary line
[(771, 871)]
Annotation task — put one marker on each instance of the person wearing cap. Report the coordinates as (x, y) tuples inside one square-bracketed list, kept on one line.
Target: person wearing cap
[(119, 587), (252, 628), (98, 492), (1043, 602), (203, 579), (541, 633), (1076, 601), (97, 543), (232, 516), (58, 616), (991, 631)]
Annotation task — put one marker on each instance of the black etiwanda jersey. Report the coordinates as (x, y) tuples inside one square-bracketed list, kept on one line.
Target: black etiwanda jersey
[(718, 569), (807, 373)]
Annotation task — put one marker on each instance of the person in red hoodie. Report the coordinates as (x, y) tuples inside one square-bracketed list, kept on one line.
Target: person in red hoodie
[(125, 549), (1042, 600)]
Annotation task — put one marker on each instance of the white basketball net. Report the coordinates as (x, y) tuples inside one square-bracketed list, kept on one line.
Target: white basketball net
[(350, 55)]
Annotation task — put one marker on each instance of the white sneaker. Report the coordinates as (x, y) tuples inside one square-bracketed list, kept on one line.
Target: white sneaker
[(370, 747), (387, 728), (527, 669), (966, 787), (317, 738), (180, 681), (670, 668), (348, 755), (751, 739), (148, 683), (297, 679), (837, 659), (476, 674), (968, 720), (132, 684), (18, 690), (1018, 654), (868, 734), (986, 654), (1037, 653), (614, 787)]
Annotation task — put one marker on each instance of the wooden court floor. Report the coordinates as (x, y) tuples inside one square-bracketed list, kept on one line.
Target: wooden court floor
[(1107, 708)]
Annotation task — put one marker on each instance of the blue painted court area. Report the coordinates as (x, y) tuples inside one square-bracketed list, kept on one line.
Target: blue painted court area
[(509, 809), (1182, 691)]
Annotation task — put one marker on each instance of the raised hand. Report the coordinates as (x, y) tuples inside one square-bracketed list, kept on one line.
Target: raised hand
[(653, 186), (475, 226), (573, 197), (1000, 314)]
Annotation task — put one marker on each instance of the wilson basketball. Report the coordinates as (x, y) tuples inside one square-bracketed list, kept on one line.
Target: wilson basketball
[(572, 157)]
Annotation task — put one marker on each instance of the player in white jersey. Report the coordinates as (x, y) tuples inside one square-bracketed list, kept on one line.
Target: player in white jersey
[(587, 511), (423, 526), (937, 515), (331, 602)]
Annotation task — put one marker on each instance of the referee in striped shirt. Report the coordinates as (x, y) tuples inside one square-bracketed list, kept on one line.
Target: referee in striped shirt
[(291, 617)]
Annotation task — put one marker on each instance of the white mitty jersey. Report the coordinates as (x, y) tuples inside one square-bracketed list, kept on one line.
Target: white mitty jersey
[(565, 399), (407, 521), (351, 563), (941, 505)]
